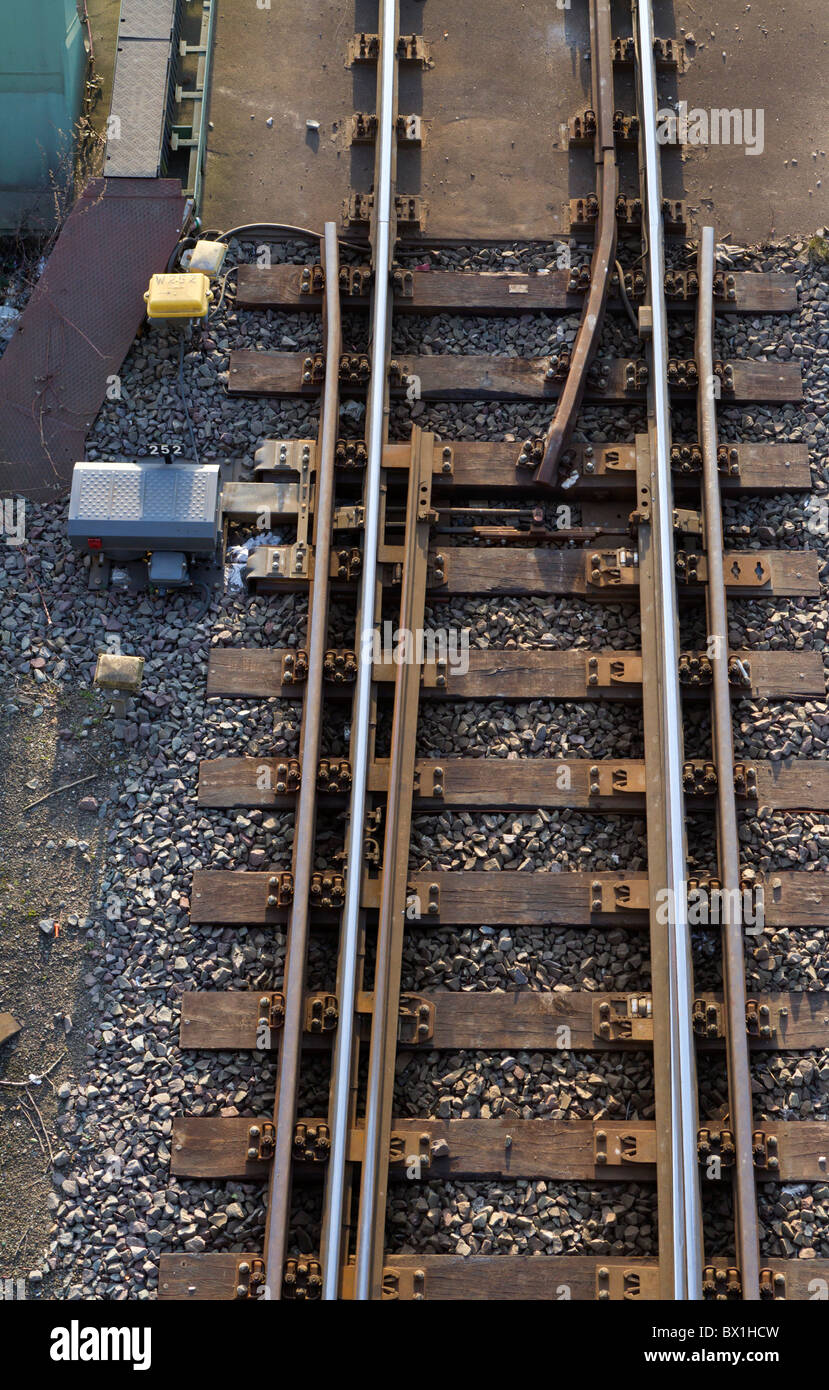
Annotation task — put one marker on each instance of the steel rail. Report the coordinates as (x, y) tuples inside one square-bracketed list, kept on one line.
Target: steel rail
[(391, 915), (686, 1241), (383, 235), (728, 844), (604, 255), (279, 1198)]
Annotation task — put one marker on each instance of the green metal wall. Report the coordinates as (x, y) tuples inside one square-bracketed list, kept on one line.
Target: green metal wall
[(42, 68)]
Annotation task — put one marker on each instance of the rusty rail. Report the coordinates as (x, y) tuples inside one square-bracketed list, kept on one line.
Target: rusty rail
[(604, 256), (728, 844), (279, 1199)]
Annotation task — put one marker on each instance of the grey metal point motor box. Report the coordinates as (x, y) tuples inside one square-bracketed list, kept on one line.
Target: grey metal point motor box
[(125, 510)]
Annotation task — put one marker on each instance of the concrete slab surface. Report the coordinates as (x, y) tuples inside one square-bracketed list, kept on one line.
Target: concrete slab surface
[(504, 78)]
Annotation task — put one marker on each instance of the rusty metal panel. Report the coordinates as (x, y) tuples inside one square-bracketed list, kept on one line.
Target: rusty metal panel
[(78, 326)]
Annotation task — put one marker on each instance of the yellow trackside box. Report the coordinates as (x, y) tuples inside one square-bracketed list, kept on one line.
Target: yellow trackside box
[(180, 296)]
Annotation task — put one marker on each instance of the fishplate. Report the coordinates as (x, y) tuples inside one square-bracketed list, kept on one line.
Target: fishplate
[(271, 1011), (759, 1021), (281, 889), (322, 1013), (373, 838), (614, 1146), (250, 1278), (294, 666), (728, 460), (437, 573), (725, 286), (558, 367), (624, 1017), (403, 1284), (724, 372), (351, 518), (365, 48), (350, 453), (437, 789), (434, 675), (710, 905), (716, 1143), (447, 461), (625, 128), (340, 666), (681, 284), (765, 1149), (666, 52), (636, 284), (772, 1284), (745, 780), (408, 1149), (327, 890), (312, 279), (578, 281), (357, 209), (284, 456), (288, 777), (313, 369), (312, 1143), (699, 779), (403, 282), (721, 1282), (290, 561), (682, 373), (355, 280), (695, 670), (410, 212), (532, 452), (262, 1141), (416, 1019), (354, 368), (302, 1279), (739, 672), (686, 458), (609, 779), (347, 564), (707, 1019), (619, 895), (614, 670), (581, 129), (636, 374), (617, 1282), (612, 568), (687, 521), (334, 776)]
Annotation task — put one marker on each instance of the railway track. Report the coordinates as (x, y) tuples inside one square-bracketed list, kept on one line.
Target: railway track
[(392, 528)]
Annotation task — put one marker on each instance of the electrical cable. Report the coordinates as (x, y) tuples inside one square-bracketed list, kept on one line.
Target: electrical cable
[(284, 227), (623, 292), (183, 395)]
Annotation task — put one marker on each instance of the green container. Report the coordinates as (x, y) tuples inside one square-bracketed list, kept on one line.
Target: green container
[(42, 70)]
